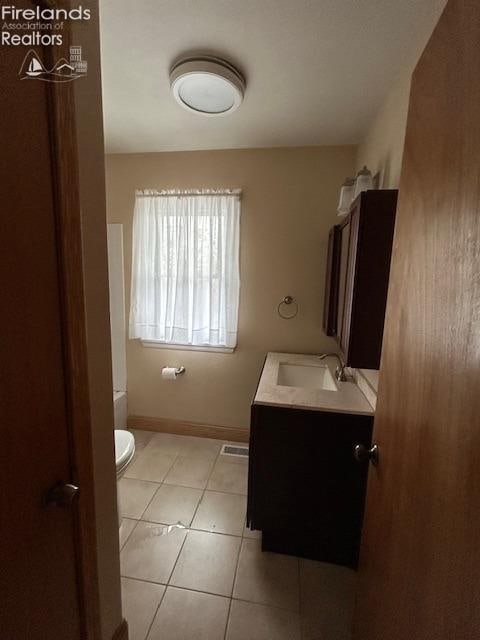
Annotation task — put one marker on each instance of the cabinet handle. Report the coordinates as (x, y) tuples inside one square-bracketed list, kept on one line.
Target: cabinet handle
[(362, 454)]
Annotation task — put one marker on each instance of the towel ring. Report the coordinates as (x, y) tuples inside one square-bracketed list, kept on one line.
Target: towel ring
[(287, 300)]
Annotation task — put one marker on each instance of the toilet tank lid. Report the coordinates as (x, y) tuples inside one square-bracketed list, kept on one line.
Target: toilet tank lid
[(124, 446)]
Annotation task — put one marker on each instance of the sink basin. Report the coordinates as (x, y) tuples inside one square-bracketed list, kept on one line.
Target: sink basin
[(305, 376)]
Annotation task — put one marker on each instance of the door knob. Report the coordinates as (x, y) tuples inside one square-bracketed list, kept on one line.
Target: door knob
[(362, 454), (61, 494)]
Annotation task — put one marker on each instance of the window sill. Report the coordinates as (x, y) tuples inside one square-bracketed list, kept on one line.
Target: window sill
[(185, 347)]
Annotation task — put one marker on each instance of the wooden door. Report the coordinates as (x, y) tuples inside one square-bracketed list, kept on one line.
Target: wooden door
[(48, 561), (420, 557)]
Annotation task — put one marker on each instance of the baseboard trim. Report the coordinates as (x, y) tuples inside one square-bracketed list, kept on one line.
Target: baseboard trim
[(183, 428), (122, 631)]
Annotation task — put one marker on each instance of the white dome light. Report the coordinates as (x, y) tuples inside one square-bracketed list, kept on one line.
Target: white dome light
[(207, 85)]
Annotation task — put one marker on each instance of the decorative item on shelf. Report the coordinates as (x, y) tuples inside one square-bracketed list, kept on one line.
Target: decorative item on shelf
[(287, 301), (346, 196), (363, 181)]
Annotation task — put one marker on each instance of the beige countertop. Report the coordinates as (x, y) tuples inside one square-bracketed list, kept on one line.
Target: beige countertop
[(347, 399)]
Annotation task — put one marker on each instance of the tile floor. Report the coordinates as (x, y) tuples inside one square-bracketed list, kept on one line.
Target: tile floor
[(191, 570)]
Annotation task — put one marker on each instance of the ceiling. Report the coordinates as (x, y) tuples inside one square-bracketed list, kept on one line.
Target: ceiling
[(316, 70)]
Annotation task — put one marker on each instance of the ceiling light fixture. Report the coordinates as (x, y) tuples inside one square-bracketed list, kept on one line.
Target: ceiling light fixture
[(207, 85)]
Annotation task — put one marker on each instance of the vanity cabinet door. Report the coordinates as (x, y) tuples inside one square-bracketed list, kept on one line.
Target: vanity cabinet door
[(306, 491)]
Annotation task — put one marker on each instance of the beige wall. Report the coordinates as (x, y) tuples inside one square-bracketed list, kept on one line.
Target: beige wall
[(288, 206), (89, 122), (382, 148)]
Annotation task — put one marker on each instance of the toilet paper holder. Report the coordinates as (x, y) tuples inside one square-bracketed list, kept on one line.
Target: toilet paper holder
[(172, 373)]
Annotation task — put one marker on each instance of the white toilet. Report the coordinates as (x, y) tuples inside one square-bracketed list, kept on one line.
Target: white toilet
[(124, 450)]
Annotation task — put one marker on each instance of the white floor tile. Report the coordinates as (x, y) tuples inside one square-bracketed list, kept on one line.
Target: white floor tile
[(190, 472), (127, 525), (189, 615), (173, 505), (230, 478), (267, 578), (261, 622), (134, 496), (267, 585), (151, 465), (327, 594), (221, 513), (142, 438), (167, 443), (207, 563), (140, 601), (186, 446), (194, 447), (150, 553)]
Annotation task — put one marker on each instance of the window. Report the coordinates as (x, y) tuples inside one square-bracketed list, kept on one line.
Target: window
[(185, 269)]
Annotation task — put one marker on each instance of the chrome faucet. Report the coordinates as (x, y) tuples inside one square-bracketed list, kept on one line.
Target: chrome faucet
[(340, 370)]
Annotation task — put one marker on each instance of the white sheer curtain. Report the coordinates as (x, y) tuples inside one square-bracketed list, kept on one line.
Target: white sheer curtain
[(185, 270)]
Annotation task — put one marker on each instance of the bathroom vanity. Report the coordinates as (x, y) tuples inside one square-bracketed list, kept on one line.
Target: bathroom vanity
[(306, 491)]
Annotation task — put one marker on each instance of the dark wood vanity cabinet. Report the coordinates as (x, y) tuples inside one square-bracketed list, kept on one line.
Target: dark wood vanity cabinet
[(358, 268), (306, 491)]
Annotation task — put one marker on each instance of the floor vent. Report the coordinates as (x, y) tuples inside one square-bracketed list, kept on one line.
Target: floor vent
[(231, 450)]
